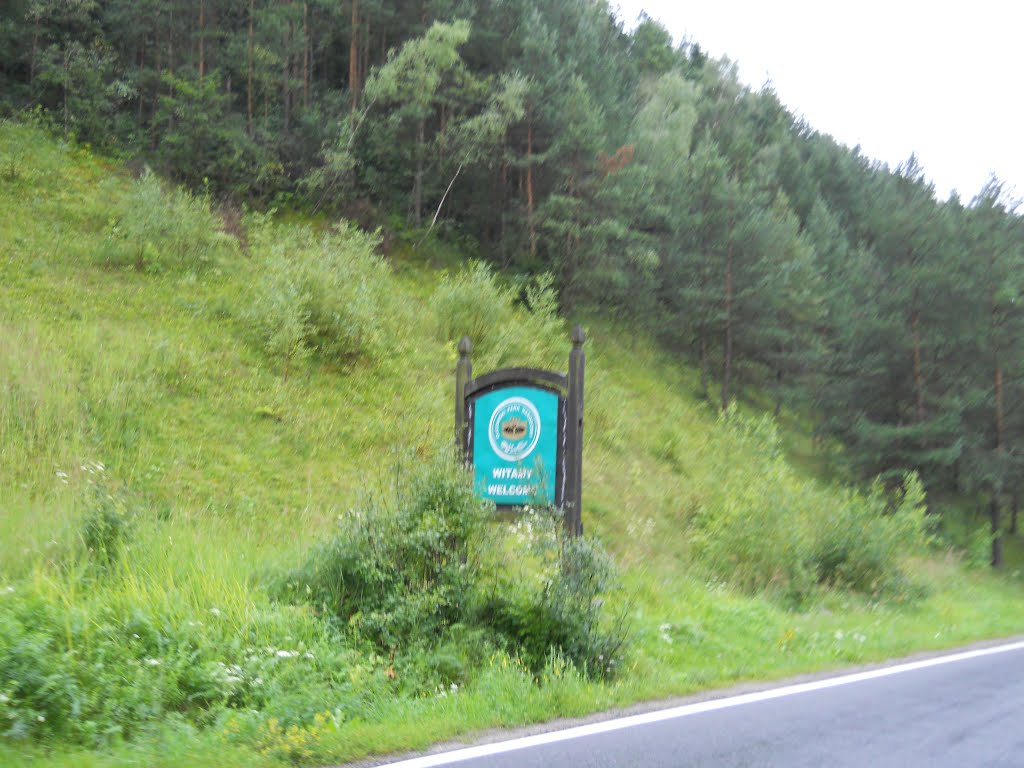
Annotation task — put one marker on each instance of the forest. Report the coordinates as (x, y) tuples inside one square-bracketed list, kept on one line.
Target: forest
[(543, 137)]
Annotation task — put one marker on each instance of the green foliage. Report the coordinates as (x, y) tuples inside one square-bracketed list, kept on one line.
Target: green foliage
[(322, 294), (204, 145), (395, 571), (474, 303), (863, 544), (94, 672), (165, 229), (409, 571), (549, 595), (778, 532), (414, 74), (215, 472), (107, 522)]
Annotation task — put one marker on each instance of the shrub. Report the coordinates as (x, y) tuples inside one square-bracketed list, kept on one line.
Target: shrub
[(549, 597), (861, 545), (395, 570), (317, 294), (472, 303), (424, 573), (752, 529), (767, 529), (165, 229)]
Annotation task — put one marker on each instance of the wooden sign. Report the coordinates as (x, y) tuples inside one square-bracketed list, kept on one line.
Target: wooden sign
[(521, 431)]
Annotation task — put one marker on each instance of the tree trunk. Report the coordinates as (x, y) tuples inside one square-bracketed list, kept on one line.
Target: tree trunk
[(364, 59), (1014, 509), (417, 184), (305, 55), (35, 49), (353, 62), (158, 62), (202, 35), (1000, 414), (65, 85), (915, 331), (778, 392), (529, 182), (249, 68), (502, 200), (286, 88), (442, 138), (727, 363), (1000, 424), (141, 102), (703, 366), (170, 41), (995, 519)]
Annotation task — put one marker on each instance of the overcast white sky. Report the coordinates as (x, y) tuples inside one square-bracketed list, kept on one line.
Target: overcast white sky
[(942, 79)]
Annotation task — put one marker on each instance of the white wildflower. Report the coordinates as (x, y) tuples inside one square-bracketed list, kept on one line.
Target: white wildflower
[(152, 662), (287, 654), (215, 611)]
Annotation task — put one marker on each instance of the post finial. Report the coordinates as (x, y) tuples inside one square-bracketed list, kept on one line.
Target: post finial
[(578, 336), (465, 346)]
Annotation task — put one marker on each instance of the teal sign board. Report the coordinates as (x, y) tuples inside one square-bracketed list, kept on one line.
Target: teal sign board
[(515, 445)]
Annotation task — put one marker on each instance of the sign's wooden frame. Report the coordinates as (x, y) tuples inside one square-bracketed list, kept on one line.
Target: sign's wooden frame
[(569, 389)]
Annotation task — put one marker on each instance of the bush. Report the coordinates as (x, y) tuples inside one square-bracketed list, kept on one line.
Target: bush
[(395, 570), (317, 294), (472, 303), (862, 545), (426, 575), (768, 529), (166, 229), (549, 597)]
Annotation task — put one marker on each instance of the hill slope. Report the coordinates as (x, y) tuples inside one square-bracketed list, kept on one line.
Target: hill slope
[(185, 414)]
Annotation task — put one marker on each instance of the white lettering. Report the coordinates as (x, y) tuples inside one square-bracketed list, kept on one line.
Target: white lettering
[(511, 473), (511, 490)]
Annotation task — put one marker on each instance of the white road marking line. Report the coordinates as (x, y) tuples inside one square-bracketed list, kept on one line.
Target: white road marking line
[(606, 726)]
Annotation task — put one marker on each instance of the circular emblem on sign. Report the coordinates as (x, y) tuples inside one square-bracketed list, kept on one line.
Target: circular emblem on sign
[(514, 429)]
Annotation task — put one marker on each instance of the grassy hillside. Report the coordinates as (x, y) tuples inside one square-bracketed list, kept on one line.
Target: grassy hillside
[(186, 414)]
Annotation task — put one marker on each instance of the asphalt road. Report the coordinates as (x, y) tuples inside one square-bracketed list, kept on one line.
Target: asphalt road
[(957, 710)]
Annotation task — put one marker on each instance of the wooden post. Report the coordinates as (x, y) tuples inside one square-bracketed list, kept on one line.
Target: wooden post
[(463, 373), (574, 435)]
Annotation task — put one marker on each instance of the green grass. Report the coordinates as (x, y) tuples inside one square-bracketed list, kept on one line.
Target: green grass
[(149, 387)]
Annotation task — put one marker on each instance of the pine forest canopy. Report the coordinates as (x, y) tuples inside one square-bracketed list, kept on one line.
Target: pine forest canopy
[(644, 177)]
